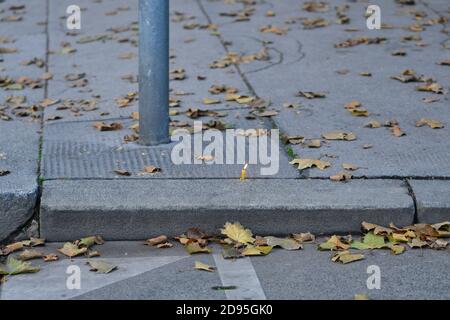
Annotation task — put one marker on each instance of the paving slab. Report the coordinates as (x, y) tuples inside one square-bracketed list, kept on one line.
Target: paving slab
[(433, 200), (72, 209), (100, 59), (76, 150), (151, 273), (19, 138), (306, 60)]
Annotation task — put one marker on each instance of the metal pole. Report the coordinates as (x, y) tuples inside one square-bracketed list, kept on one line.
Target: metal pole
[(153, 72)]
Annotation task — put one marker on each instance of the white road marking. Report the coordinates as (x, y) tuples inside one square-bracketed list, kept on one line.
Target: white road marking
[(50, 282), (239, 273)]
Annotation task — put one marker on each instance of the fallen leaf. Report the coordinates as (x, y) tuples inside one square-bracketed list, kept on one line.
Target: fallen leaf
[(338, 135), (361, 297), (210, 101), (433, 124), (256, 250), (373, 124), (30, 254), (101, 266), (236, 232), (353, 105), (33, 242), (165, 245), (101, 126), (309, 163), (89, 241), (285, 243), (202, 266), (304, 237), (194, 248), (231, 253), (370, 241), (151, 169), (359, 112), (122, 172), (14, 267), (4, 172), (334, 243), (346, 257), (311, 95), (431, 87), (341, 177), (50, 257), (417, 243), (156, 241), (71, 250)]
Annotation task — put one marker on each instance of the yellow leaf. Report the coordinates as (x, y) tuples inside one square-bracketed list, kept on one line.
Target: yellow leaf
[(257, 250), (202, 266), (346, 257), (236, 232)]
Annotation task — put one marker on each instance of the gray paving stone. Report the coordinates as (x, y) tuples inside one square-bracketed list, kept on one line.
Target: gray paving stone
[(307, 60), (104, 70), (19, 144), (150, 273), (71, 209), (78, 151), (19, 138), (433, 200)]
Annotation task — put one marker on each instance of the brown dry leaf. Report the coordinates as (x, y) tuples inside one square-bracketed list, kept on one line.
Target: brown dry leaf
[(431, 87), (306, 237), (50, 257), (445, 63), (122, 172), (377, 230), (334, 243), (433, 124), (359, 112), (33, 242), (71, 250), (156, 241), (439, 244), (417, 243), (353, 105), (339, 135), (314, 23), (30, 254), (7, 50), (165, 245), (102, 126), (311, 95), (274, 29), (358, 41), (313, 143), (151, 169), (316, 6), (374, 124), (13, 247), (341, 177), (346, 257), (309, 163), (350, 167)]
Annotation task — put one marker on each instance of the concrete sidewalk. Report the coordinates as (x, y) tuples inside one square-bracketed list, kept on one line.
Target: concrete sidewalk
[(150, 273), (401, 179)]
